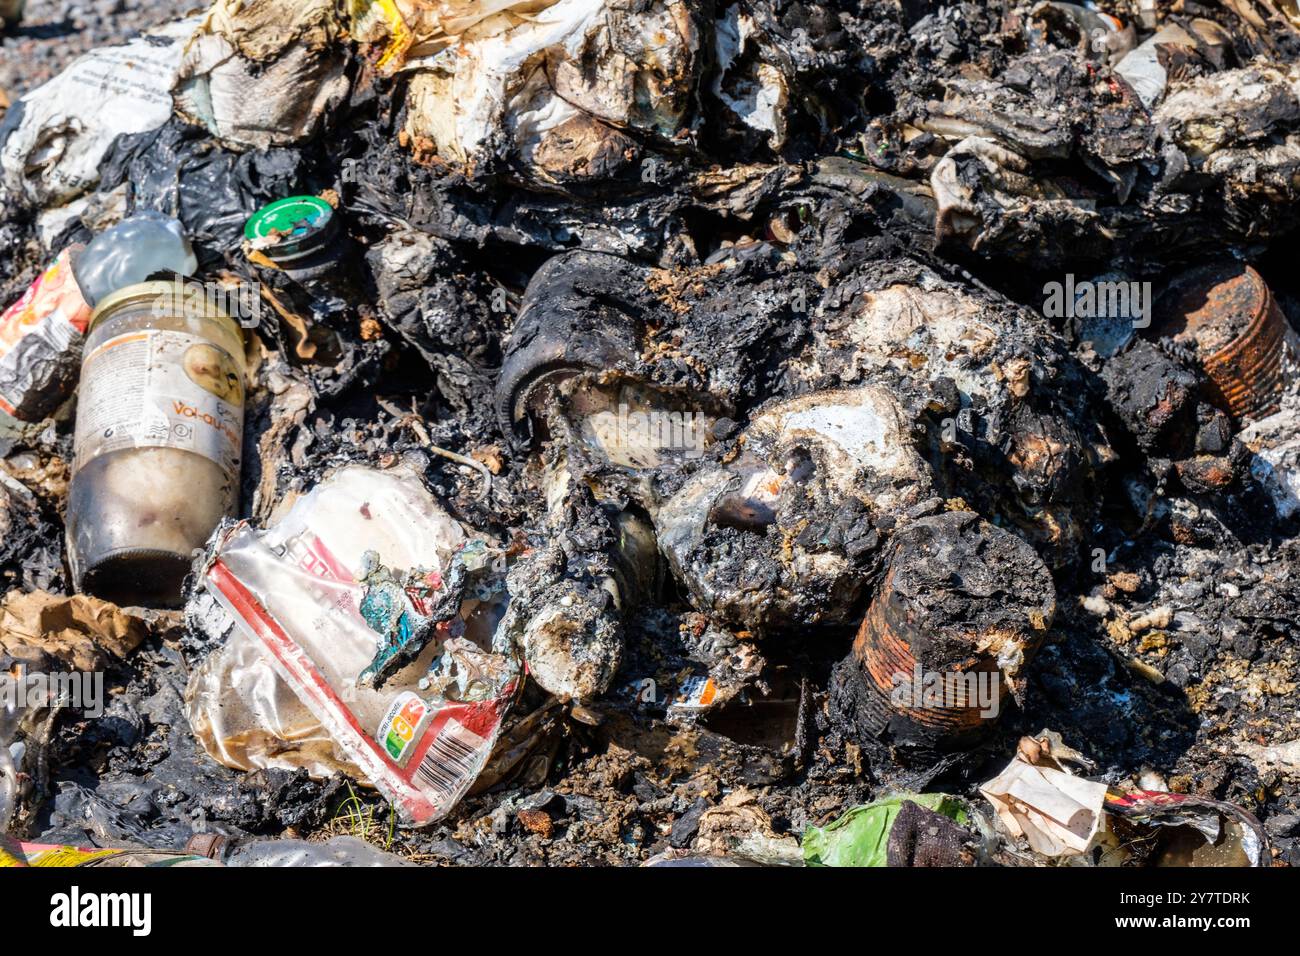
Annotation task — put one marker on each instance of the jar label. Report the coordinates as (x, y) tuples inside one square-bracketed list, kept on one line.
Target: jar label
[(161, 389)]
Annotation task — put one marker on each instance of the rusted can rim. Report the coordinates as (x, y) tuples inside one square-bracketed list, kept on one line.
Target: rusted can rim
[(1245, 374), (883, 651)]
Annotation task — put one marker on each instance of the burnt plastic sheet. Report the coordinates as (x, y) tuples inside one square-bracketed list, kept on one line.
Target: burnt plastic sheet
[(179, 170)]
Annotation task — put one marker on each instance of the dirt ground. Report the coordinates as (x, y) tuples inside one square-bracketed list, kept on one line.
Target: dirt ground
[(53, 33)]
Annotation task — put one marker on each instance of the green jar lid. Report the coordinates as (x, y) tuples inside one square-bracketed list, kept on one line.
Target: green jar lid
[(291, 228)]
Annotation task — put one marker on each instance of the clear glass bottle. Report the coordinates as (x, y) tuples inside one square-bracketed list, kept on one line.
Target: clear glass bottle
[(157, 442)]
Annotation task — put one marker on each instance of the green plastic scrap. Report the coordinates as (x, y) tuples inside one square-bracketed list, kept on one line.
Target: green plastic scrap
[(861, 835)]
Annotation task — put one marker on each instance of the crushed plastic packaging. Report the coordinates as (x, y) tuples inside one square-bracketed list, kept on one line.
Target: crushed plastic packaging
[(40, 339), (21, 855), (54, 139), (337, 851), (334, 852), (302, 590), (244, 716), (41, 334), (1193, 831)]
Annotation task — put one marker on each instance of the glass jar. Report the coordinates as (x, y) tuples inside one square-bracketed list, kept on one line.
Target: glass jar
[(157, 443)]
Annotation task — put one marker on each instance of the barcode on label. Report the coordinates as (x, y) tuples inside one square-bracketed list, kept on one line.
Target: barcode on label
[(452, 759)]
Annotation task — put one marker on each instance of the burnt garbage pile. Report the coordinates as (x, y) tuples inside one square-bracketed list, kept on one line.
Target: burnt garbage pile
[(648, 431)]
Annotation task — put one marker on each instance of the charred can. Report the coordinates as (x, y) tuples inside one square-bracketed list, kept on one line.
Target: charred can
[(962, 610), (157, 441), (1228, 314)]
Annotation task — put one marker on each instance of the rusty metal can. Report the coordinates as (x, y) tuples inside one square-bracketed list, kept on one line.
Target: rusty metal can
[(1228, 314), (963, 609)]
